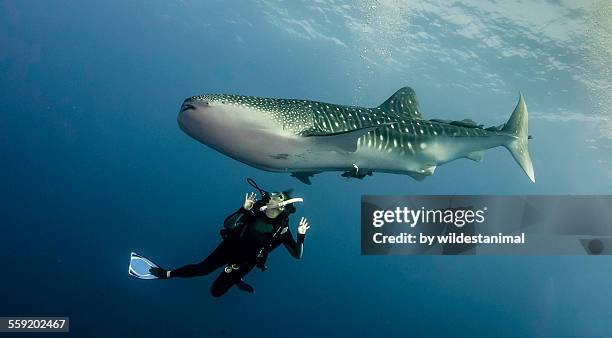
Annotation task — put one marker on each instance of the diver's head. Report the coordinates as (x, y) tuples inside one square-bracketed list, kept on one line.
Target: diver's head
[(274, 206)]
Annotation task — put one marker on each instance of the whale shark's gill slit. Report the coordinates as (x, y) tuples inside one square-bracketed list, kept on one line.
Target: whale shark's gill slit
[(387, 137)]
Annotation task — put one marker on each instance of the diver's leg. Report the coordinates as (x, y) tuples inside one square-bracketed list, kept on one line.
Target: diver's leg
[(215, 260), (226, 280)]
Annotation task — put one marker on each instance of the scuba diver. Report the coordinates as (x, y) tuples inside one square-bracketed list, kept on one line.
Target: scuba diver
[(249, 235)]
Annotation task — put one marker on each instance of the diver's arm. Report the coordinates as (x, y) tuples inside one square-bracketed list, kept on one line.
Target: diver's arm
[(295, 248), (245, 210)]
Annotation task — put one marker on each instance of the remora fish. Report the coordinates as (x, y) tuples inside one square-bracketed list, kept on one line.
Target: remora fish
[(307, 137)]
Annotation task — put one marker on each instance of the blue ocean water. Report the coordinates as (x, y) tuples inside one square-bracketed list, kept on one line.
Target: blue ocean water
[(94, 165)]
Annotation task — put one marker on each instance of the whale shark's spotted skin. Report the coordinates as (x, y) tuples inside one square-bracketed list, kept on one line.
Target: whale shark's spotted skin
[(395, 134), (401, 129), (293, 115)]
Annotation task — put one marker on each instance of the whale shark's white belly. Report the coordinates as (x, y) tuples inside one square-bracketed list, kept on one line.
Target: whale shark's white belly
[(299, 154)]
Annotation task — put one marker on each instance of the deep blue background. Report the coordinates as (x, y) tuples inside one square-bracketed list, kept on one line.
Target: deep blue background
[(93, 166)]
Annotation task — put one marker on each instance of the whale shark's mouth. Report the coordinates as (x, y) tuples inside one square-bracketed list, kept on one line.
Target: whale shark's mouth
[(186, 115), (190, 113), (187, 106)]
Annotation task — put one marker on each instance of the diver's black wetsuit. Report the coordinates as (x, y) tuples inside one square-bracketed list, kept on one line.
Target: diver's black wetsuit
[(245, 247)]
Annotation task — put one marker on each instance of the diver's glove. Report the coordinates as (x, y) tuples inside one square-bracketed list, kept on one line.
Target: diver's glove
[(159, 273), (303, 226), (249, 201)]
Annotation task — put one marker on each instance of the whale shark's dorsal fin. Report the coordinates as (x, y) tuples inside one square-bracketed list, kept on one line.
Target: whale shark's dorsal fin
[(404, 103)]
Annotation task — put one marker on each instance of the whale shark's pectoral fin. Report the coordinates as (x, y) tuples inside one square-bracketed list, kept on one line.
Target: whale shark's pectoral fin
[(343, 141), (477, 156), (305, 176)]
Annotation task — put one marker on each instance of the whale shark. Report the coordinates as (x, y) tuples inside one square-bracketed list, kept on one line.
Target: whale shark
[(304, 138)]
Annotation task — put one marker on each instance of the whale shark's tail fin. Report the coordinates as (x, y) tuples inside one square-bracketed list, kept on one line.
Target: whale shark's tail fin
[(517, 128)]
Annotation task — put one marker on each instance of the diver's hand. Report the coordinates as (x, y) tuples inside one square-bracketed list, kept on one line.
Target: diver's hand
[(159, 273), (249, 201), (303, 226)]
